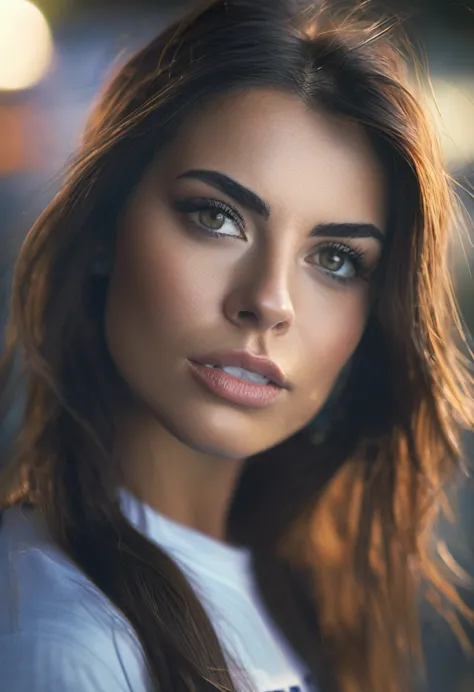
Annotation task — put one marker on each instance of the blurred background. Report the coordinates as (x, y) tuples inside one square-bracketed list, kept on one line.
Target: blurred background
[(54, 56)]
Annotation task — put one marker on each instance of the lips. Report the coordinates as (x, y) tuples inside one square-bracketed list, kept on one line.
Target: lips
[(244, 359), (243, 374), (234, 389)]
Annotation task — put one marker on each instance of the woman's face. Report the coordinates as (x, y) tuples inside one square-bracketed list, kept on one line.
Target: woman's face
[(257, 229)]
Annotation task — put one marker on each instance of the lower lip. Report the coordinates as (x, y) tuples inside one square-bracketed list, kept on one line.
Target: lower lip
[(234, 389)]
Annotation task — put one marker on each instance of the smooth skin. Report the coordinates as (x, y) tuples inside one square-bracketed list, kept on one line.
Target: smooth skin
[(274, 286)]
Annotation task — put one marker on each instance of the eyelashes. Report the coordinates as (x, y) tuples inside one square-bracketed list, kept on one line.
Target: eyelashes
[(213, 218), (218, 212), (347, 262)]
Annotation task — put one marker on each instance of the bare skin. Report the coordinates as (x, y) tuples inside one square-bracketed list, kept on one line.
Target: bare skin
[(177, 293)]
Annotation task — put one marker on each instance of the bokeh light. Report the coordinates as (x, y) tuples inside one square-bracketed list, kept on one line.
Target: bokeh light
[(454, 112), (26, 45)]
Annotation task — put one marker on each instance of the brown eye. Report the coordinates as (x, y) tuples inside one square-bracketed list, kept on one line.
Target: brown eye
[(339, 261), (212, 218), (218, 221), (330, 259)]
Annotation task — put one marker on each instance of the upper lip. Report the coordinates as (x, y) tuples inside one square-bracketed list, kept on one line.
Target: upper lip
[(244, 359)]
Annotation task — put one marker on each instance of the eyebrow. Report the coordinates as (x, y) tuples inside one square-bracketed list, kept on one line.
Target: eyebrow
[(348, 230), (253, 202), (233, 189)]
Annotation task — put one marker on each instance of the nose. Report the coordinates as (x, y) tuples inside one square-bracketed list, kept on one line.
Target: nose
[(261, 298)]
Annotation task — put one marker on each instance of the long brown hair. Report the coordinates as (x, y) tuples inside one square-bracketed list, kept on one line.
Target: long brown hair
[(338, 524)]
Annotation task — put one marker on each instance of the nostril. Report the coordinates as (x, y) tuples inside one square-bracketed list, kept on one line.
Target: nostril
[(247, 314)]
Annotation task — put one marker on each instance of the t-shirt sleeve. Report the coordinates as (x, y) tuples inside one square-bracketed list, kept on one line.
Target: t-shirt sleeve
[(47, 663)]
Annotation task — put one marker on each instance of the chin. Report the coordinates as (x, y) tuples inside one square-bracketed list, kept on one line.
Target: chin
[(222, 444), (225, 439)]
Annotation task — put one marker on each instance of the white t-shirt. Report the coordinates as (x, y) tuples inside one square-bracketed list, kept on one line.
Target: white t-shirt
[(59, 633)]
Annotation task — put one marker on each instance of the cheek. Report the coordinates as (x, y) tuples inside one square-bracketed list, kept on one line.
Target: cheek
[(153, 288), (331, 337), (160, 295)]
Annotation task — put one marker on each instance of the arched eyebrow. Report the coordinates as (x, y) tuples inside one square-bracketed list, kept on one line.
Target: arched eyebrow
[(348, 230), (232, 188), (249, 199)]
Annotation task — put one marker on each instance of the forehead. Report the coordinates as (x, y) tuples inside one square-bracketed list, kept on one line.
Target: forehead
[(297, 159)]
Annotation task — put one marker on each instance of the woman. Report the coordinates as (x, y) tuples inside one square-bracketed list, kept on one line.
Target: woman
[(253, 232)]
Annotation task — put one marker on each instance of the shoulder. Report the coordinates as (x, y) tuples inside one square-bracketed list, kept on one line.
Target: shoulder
[(44, 662), (57, 629)]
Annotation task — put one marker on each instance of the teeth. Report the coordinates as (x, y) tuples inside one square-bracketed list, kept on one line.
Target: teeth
[(244, 374), (241, 373)]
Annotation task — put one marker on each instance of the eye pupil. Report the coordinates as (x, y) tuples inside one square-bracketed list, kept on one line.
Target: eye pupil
[(212, 218), (331, 260)]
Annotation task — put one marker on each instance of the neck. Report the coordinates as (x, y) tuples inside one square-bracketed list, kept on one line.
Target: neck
[(189, 486)]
